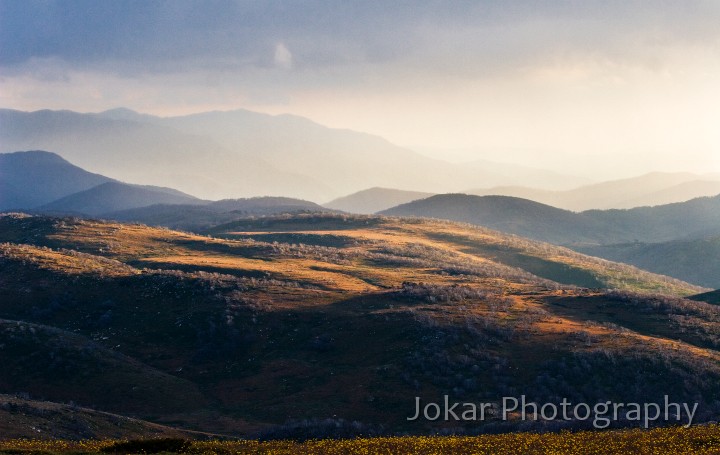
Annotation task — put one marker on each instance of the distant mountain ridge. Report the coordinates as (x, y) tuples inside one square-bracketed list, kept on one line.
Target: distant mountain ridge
[(543, 222), (240, 153), (679, 240), (43, 182), (148, 152), (693, 260), (30, 179), (507, 214), (374, 200), (656, 188), (115, 196), (197, 217)]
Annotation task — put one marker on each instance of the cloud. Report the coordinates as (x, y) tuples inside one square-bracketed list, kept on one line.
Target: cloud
[(137, 36), (576, 76), (283, 58)]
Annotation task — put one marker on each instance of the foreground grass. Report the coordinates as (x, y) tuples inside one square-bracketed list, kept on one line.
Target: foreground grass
[(703, 439)]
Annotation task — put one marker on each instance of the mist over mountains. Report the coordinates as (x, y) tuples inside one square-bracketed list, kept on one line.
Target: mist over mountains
[(114, 196), (43, 182), (30, 179), (375, 200), (651, 189), (239, 153), (179, 165)]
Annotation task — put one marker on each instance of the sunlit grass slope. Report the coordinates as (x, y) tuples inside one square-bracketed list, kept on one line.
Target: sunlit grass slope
[(266, 322)]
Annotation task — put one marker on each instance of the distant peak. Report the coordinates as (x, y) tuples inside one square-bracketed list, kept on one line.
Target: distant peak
[(120, 110), (123, 113), (36, 155)]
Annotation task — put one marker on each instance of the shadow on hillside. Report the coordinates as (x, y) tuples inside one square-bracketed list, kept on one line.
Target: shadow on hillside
[(555, 271)]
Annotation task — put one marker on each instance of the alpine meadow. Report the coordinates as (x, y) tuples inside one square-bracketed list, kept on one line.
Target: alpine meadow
[(244, 227)]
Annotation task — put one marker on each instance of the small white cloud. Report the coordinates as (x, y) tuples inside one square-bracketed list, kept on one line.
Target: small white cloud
[(283, 57)]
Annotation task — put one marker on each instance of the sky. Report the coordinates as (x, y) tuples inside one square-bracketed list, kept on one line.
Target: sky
[(596, 88)]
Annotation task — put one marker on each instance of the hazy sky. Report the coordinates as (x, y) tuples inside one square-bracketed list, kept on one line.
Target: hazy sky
[(590, 86)]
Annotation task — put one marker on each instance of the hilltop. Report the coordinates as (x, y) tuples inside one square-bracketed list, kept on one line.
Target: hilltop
[(115, 196), (197, 217), (43, 182), (543, 222), (263, 322), (30, 179), (670, 239), (508, 214), (374, 200)]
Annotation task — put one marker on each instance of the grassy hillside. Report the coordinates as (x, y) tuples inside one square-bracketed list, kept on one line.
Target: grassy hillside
[(68, 367), (508, 214), (279, 320), (22, 418), (694, 260), (542, 222), (678, 240)]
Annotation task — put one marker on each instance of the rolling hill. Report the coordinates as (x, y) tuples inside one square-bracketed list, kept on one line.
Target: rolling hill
[(31, 179), (693, 260), (197, 217), (678, 240), (373, 200), (695, 218), (115, 196), (34, 420), (508, 214), (68, 367), (43, 182), (652, 189), (336, 318)]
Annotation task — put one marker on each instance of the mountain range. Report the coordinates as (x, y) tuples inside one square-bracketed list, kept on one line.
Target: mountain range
[(274, 311), (31, 179), (652, 189), (677, 239), (656, 188), (694, 260), (695, 218), (658, 238), (114, 196), (44, 182), (374, 200), (232, 154)]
